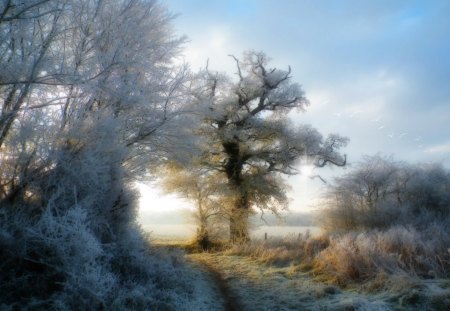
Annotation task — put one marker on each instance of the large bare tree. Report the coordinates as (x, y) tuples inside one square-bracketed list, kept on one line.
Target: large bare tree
[(248, 138)]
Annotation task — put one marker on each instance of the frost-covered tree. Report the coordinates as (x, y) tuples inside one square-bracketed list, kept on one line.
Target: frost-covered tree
[(70, 66), (248, 138), (86, 90), (202, 187)]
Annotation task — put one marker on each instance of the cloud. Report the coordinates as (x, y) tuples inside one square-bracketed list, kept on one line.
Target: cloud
[(439, 149), (212, 47)]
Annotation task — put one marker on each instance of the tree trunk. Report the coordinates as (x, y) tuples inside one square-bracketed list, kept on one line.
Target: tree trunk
[(241, 207), (239, 221), (202, 238)]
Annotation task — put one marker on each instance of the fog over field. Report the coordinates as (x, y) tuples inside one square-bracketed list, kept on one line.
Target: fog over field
[(180, 225)]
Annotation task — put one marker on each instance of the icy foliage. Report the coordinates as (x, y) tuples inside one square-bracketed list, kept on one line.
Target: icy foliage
[(86, 89), (244, 136), (361, 256), (58, 263), (379, 193), (388, 217), (203, 189)]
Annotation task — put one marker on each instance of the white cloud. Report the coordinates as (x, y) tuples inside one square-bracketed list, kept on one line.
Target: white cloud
[(438, 149), (213, 44)]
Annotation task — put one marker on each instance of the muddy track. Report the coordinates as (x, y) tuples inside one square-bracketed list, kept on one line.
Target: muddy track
[(231, 302)]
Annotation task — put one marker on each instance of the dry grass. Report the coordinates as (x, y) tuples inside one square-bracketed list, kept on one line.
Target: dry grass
[(290, 250), (364, 257)]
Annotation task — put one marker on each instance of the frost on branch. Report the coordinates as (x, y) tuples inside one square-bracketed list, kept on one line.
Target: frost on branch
[(247, 137), (380, 193), (87, 88)]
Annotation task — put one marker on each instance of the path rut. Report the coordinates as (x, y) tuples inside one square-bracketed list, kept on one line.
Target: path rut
[(231, 302)]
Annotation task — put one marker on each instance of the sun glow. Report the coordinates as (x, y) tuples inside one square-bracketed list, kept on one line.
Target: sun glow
[(154, 200), (307, 170)]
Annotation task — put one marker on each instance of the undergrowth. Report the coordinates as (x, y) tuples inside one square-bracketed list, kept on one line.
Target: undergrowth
[(357, 257)]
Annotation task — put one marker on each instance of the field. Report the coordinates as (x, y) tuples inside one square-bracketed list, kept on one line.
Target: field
[(182, 232)]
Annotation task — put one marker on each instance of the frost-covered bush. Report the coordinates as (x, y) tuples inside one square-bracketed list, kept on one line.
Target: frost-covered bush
[(387, 217), (58, 263), (379, 193), (69, 240), (357, 256)]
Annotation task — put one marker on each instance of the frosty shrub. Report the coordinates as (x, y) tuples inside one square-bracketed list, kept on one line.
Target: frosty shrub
[(387, 217), (383, 218), (361, 256), (57, 263), (71, 241), (379, 193)]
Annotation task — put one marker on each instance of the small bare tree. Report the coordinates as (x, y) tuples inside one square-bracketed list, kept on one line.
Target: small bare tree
[(202, 188)]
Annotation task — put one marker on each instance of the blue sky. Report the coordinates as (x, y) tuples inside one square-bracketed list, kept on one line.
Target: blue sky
[(377, 72)]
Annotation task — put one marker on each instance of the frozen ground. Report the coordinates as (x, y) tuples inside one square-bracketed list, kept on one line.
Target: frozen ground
[(207, 292), (254, 286)]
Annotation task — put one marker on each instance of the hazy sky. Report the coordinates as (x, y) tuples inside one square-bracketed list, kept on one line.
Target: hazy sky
[(377, 72)]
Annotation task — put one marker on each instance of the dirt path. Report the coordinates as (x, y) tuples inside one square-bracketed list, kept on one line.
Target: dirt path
[(241, 283), (250, 286), (231, 302)]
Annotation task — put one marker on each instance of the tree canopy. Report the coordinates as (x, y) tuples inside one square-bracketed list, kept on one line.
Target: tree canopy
[(246, 137)]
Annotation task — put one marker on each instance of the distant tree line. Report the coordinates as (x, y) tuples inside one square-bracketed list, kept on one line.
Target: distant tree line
[(380, 192)]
